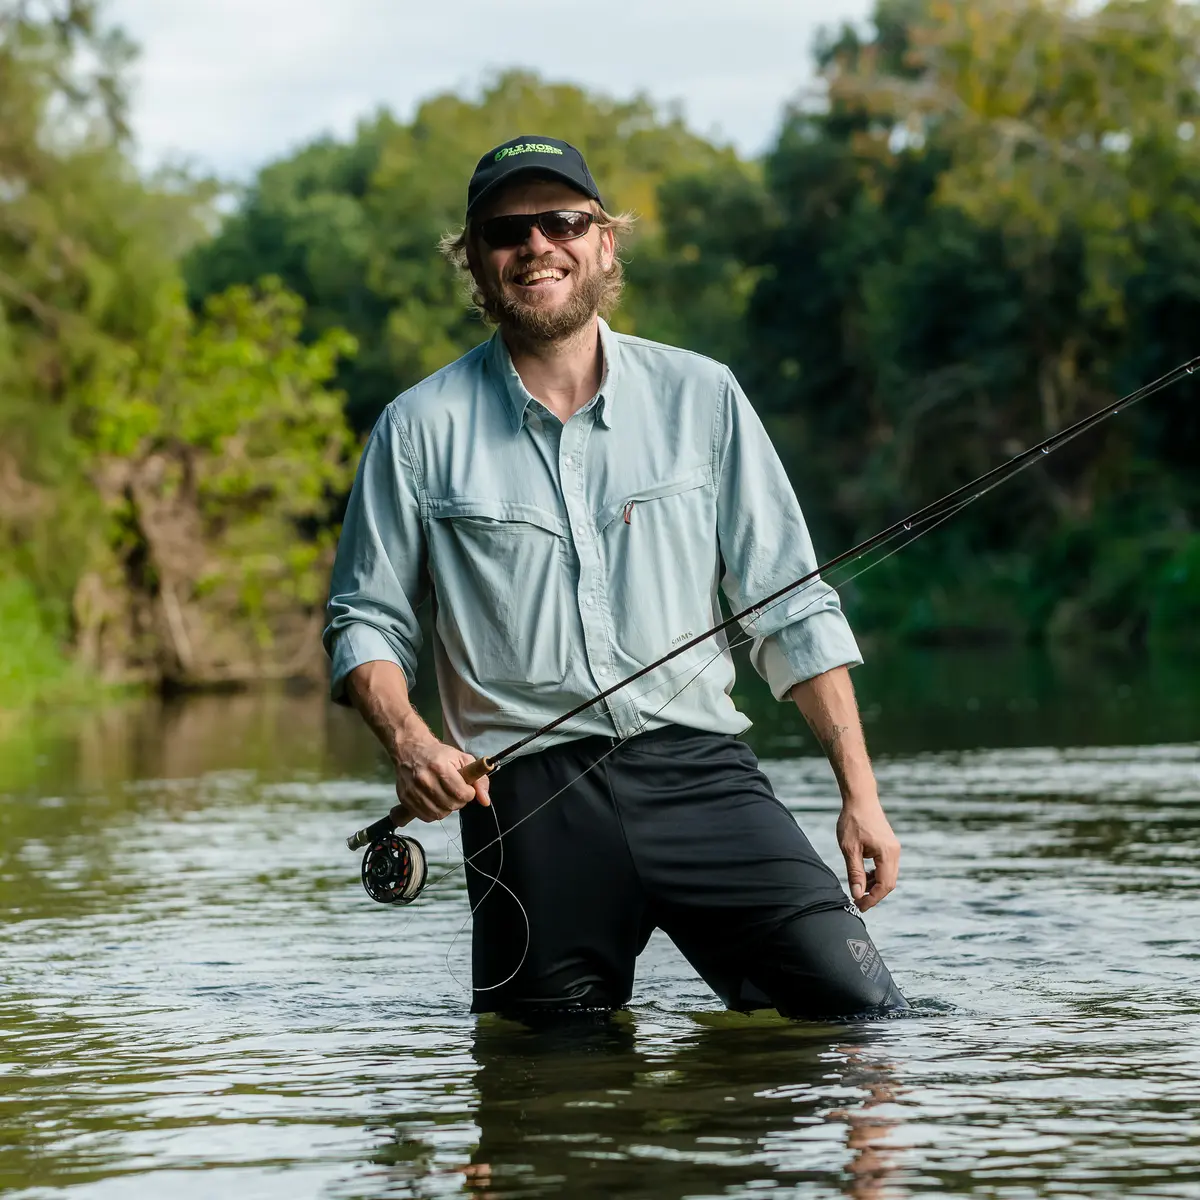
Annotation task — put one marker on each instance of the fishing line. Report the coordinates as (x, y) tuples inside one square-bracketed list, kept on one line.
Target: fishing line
[(743, 640), (479, 903), (399, 861), (928, 525), (917, 530)]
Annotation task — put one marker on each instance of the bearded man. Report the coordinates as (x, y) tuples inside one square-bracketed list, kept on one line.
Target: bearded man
[(573, 498)]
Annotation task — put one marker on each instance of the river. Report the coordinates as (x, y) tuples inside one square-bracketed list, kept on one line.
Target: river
[(197, 999)]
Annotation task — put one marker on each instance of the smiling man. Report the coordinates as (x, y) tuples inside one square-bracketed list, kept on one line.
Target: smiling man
[(573, 499)]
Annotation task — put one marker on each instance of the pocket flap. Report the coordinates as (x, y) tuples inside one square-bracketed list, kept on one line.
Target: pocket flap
[(503, 512), (695, 478)]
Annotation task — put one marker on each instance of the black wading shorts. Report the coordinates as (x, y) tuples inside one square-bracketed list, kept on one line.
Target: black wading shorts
[(675, 829)]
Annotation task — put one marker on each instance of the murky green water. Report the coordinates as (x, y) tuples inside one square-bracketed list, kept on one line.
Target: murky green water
[(196, 998)]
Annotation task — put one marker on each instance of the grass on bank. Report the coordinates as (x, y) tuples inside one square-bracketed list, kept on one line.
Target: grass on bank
[(35, 669)]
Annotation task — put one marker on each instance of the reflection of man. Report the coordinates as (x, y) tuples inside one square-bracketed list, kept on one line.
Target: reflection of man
[(587, 1112), (573, 498)]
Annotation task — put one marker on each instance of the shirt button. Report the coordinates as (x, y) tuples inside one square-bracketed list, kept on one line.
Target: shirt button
[(589, 602), (567, 460), (601, 671)]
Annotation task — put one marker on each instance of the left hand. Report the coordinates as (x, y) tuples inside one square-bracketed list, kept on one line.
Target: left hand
[(864, 832)]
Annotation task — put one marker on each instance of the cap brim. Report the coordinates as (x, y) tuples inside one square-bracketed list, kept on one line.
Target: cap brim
[(545, 172)]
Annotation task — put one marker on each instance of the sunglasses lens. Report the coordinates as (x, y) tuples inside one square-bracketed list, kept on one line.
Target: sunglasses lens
[(500, 232), (563, 226)]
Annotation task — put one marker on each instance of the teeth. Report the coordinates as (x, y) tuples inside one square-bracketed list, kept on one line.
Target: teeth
[(549, 273)]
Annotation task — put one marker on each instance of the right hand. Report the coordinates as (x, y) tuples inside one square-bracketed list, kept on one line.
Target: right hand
[(429, 784)]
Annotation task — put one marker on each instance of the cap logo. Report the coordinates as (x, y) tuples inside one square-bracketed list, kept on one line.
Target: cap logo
[(526, 148)]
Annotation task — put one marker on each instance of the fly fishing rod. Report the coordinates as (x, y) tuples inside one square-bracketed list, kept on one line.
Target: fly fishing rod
[(394, 866)]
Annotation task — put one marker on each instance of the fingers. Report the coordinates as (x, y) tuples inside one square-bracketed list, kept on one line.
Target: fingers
[(431, 786), (882, 880), (856, 875), (482, 794)]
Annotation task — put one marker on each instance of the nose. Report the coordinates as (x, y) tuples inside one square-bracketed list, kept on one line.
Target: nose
[(537, 242)]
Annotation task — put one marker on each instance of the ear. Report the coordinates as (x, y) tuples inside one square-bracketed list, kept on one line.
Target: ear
[(608, 248), (472, 257)]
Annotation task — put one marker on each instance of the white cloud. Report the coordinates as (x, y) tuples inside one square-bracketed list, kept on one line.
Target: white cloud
[(230, 84)]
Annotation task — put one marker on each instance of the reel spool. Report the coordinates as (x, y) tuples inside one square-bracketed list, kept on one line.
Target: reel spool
[(394, 869)]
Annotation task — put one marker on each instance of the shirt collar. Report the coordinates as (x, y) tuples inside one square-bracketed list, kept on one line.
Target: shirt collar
[(516, 395)]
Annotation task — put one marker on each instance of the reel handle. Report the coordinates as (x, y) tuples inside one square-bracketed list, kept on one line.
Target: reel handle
[(471, 772)]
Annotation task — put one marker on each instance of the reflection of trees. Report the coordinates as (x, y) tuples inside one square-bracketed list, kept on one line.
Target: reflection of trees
[(67, 780), (588, 1112), (270, 732)]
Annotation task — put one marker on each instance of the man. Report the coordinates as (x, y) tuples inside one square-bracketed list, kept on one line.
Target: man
[(573, 498)]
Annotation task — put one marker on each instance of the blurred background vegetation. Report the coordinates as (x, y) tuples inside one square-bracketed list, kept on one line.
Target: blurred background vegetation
[(987, 226)]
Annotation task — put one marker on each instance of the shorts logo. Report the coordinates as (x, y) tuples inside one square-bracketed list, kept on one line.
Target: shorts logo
[(867, 957), (526, 148)]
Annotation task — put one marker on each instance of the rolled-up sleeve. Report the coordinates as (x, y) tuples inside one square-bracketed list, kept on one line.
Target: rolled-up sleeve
[(379, 574), (765, 545)]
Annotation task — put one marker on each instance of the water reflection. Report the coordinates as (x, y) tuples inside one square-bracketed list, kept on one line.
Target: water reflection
[(746, 1104), (196, 998)]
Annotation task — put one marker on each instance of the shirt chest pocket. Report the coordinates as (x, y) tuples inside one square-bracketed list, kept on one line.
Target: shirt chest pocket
[(624, 508), (500, 575), (660, 553)]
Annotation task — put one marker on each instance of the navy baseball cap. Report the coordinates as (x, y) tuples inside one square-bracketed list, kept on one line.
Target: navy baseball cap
[(530, 155)]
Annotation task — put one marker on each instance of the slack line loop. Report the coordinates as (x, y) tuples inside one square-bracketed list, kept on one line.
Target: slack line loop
[(919, 521)]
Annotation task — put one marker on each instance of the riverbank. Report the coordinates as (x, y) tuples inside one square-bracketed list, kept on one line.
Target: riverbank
[(912, 701)]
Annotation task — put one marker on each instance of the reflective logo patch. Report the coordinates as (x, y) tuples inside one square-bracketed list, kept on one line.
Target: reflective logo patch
[(867, 957)]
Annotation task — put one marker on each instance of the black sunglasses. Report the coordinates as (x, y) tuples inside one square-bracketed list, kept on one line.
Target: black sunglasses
[(561, 225)]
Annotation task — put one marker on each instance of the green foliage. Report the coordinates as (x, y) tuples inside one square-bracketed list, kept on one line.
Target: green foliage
[(353, 228), (162, 475), (989, 232), (1175, 607), (990, 228), (33, 665)]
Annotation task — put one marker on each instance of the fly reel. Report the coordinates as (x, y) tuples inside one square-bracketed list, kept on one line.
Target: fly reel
[(394, 869)]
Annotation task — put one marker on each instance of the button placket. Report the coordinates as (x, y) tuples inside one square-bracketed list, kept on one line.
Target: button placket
[(597, 642)]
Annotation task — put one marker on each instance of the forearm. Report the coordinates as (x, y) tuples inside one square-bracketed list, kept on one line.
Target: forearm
[(379, 691), (827, 703)]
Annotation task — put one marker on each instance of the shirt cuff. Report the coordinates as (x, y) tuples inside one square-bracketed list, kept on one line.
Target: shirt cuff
[(357, 644), (810, 647)]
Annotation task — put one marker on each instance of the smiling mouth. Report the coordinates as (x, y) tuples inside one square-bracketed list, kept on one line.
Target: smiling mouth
[(542, 277)]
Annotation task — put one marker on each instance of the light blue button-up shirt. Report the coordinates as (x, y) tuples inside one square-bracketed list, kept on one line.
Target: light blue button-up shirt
[(561, 558)]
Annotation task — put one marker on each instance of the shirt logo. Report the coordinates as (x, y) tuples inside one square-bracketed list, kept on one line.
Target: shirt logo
[(526, 148)]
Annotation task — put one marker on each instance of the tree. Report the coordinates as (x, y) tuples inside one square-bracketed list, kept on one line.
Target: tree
[(971, 234), (166, 481), (353, 227)]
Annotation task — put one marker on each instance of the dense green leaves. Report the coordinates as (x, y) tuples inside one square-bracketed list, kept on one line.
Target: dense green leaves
[(991, 226), (971, 251), (353, 228), (166, 480)]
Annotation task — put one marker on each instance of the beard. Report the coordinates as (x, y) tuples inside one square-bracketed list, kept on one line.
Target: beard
[(542, 323)]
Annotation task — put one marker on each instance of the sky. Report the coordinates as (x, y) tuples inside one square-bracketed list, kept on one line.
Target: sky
[(227, 85)]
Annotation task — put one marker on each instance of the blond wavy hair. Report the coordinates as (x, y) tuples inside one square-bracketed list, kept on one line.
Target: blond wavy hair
[(456, 245)]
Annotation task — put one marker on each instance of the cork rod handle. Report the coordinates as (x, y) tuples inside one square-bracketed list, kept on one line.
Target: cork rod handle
[(471, 772)]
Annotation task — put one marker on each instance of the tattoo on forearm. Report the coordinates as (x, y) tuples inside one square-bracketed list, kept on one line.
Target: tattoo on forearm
[(833, 736)]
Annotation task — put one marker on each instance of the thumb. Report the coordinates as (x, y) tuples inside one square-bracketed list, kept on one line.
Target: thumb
[(856, 874)]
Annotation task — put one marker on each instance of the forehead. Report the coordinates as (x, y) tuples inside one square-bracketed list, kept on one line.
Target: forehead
[(529, 194)]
